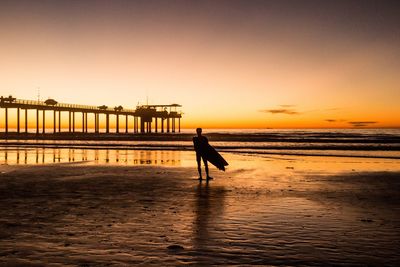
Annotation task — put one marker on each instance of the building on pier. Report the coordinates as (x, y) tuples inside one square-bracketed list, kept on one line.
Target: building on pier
[(143, 116)]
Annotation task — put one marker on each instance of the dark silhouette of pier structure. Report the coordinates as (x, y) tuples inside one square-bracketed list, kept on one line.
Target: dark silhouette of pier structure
[(143, 116)]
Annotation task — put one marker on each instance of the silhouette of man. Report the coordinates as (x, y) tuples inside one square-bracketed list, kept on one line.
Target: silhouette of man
[(200, 143)]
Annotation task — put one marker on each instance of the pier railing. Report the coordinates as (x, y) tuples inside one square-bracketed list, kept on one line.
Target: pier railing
[(65, 105)]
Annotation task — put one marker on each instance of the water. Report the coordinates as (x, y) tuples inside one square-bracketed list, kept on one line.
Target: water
[(369, 143)]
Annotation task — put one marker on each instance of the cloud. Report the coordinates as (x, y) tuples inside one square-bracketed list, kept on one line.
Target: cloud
[(334, 120), (362, 123), (289, 109), (281, 111)]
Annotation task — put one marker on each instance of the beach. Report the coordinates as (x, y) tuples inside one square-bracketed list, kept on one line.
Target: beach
[(108, 108), (265, 209)]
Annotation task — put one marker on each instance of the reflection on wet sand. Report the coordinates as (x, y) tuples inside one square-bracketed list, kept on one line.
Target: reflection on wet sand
[(96, 156), (209, 208)]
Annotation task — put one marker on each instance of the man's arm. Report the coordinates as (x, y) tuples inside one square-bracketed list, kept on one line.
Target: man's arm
[(196, 143)]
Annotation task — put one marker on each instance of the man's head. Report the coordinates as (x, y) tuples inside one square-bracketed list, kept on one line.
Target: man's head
[(198, 131)]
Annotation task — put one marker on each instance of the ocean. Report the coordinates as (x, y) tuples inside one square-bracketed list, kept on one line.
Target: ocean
[(362, 143)]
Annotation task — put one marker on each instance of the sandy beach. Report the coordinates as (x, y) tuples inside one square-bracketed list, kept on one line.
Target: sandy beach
[(107, 108), (263, 210)]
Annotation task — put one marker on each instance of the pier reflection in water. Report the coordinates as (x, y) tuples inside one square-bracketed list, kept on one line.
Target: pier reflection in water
[(96, 156)]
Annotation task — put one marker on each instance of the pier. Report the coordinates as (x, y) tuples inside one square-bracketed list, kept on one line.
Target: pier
[(145, 118)]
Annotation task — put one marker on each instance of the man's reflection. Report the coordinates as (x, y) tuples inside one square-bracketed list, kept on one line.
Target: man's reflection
[(209, 207)]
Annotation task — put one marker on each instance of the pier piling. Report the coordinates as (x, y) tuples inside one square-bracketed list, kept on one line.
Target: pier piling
[(26, 120), (18, 120)]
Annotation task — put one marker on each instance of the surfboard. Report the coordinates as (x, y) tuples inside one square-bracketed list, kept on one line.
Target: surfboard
[(215, 158)]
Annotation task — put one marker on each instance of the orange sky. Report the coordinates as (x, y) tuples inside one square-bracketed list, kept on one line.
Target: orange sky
[(231, 64)]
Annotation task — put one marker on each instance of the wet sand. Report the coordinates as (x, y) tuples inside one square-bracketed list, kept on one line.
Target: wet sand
[(275, 211)]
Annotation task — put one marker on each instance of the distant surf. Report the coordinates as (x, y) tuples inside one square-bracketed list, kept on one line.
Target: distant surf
[(379, 143)]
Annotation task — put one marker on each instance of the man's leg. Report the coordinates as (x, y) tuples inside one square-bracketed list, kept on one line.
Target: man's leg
[(198, 159), (206, 167)]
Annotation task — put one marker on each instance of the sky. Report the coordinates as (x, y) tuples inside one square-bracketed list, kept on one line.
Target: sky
[(231, 64)]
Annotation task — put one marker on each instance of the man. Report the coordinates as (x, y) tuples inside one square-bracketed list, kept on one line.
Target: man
[(200, 143)]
